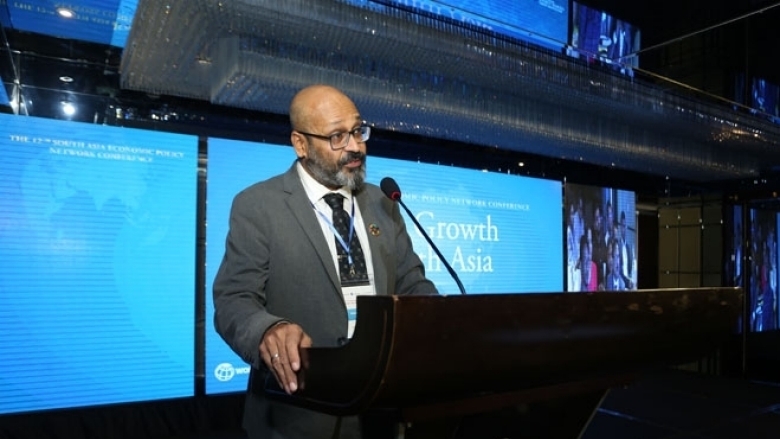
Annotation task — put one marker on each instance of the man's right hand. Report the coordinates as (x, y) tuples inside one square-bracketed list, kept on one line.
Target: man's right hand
[(280, 349)]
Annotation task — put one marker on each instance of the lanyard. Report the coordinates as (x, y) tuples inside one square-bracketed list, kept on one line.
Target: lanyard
[(345, 245)]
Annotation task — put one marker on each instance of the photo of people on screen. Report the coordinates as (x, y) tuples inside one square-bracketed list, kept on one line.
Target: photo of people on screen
[(598, 36), (601, 239), (762, 282), (762, 97), (765, 97)]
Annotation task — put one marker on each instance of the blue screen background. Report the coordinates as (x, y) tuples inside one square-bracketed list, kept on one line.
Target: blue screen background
[(543, 22), (3, 95), (233, 165), (97, 284), (523, 249), (96, 21), (501, 233)]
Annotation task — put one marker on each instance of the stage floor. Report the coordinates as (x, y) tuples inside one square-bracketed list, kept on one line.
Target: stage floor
[(666, 405), (683, 405), (670, 404)]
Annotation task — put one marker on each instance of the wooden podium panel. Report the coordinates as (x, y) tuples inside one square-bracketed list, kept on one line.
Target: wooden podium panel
[(466, 353)]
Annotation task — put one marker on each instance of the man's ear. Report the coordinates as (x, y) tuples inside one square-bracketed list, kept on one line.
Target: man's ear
[(299, 143)]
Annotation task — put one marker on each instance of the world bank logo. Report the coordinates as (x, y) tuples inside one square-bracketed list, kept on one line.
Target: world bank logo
[(224, 372)]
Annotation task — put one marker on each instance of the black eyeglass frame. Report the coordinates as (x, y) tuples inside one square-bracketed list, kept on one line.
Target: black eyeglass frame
[(364, 132)]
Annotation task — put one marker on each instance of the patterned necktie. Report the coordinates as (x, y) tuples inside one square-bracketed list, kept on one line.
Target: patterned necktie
[(351, 270)]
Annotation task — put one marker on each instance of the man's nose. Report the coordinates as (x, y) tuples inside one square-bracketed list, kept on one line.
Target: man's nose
[(352, 145)]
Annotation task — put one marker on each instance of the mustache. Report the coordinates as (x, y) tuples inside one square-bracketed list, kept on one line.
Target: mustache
[(351, 156)]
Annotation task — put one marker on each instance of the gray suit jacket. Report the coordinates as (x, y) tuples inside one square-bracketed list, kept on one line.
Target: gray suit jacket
[(277, 266)]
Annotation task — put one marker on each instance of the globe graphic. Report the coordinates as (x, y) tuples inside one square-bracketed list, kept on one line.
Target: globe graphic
[(224, 372)]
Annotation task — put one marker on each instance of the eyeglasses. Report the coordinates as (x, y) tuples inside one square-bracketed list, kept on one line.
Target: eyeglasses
[(341, 140)]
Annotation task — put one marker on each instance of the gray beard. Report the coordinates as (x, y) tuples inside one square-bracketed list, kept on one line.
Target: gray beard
[(333, 178)]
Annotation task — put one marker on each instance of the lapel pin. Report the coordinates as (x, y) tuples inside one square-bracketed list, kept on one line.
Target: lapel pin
[(374, 229)]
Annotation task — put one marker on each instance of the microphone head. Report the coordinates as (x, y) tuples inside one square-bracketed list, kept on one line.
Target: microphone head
[(390, 188)]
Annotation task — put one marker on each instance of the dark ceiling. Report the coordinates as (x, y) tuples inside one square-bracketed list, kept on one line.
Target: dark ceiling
[(690, 40), (704, 45), (701, 44)]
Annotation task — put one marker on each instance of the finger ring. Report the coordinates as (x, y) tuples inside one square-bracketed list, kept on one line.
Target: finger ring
[(275, 356)]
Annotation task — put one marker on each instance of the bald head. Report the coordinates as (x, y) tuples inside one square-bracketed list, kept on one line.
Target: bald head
[(318, 114), (313, 104)]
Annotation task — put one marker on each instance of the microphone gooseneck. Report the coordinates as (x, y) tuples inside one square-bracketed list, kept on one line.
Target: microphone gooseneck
[(393, 192)]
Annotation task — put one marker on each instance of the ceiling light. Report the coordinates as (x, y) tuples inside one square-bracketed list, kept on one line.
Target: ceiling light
[(68, 108), (65, 12), (66, 79)]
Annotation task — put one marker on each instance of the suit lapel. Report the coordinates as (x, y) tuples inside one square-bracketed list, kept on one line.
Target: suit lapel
[(302, 211), (377, 242)]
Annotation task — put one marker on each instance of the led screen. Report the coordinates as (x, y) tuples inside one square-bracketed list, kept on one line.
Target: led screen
[(3, 94), (762, 270), (601, 239), (765, 98), (5, 21), (734, 247), (597, 35), (97, 284), (501, 233), (232, 166), (542, 22), (735, 260), (97, 21), (761, 96)]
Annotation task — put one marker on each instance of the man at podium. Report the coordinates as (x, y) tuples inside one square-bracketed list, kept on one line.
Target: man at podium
[(301, 247)]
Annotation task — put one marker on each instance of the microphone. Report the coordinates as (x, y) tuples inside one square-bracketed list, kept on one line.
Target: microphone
[(393, 192)]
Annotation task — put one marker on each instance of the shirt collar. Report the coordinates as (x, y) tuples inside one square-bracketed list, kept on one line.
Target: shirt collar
[(314, 189)]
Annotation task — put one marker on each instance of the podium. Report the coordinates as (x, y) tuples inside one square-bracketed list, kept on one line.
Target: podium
[(429, 356)]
